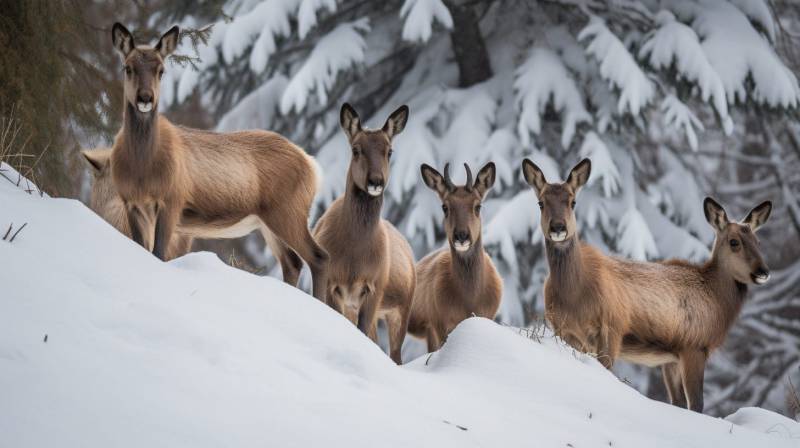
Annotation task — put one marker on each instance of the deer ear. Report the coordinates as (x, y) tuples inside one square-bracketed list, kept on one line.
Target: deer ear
[(433, 179), (758, 216), (97, 159), (485, 179), (580, 174), (348, 119), (122, 39), (715, 214), (396, 121), (533, 175), (168, 42)]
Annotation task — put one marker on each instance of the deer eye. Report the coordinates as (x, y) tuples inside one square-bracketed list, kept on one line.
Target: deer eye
[(734, 243), (478, 209), (160, 73), (389, 155), (356, 152), (574, 204), (445, 209), (541, 205)]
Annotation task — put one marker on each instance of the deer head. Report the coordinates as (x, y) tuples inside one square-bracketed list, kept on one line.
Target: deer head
[(557, 201), (461, 205), (143, 67), (736, 244), (371, 148)]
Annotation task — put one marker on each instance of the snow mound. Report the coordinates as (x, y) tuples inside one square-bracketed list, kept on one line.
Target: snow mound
[(101, 344)]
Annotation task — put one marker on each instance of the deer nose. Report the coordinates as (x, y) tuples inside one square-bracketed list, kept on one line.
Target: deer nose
[(461, 236), (144, 96), (558, 231), (761, 275), (558, 227), (375, 185)]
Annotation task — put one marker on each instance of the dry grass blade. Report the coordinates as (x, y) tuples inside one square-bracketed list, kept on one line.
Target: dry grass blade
[(13, 153)]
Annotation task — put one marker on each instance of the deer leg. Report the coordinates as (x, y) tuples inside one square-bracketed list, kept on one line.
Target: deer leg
[(292, 229), (397, 324), (367, 315), (433, 340), (166, 219), (608, 347), (290, 262), (674, 384), (135, 222), (692, 366)]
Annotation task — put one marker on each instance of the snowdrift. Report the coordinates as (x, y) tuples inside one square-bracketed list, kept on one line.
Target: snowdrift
[(103, 345)]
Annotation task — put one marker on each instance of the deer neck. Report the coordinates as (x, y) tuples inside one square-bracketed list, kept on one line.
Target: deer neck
[(467, 269), (140, 133), (727, 290), (363, 210), (566, 266)]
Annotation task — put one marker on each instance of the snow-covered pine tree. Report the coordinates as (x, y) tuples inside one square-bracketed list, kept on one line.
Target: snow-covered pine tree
[(672, 100)]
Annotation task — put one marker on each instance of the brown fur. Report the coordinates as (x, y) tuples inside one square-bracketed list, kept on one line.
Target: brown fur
[(215, 185), (105, 201), (454, 285), (671, 313), (371, 270)]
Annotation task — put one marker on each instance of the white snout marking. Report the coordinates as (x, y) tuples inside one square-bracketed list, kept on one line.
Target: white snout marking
[(558, 236), (144, 107), (761, 279), (462, 247), (374, 191)]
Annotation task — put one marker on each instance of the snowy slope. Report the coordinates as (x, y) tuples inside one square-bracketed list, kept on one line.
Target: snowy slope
[(196, 353)]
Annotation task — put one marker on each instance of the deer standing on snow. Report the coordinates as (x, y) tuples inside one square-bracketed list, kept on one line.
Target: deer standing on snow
[(218, 185), (458, 281), (105, 201), (371, 269), (670, 314)]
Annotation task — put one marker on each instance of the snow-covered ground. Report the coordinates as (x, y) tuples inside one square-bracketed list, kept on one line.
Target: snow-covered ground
[(103, 345)]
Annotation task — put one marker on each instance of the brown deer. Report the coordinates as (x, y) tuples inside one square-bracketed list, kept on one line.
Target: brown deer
[(670, 313), (371, 268), (458, 281), (105, 201), (231, 183)]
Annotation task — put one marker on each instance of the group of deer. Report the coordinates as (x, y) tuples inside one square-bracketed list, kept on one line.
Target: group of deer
[(164, 185)]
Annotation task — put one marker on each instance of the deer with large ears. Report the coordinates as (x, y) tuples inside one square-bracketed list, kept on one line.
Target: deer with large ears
[(458, 281), (219, 184), (670, 314), (371, 268)]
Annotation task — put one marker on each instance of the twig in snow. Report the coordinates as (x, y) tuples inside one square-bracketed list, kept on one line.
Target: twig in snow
[(17, 232)]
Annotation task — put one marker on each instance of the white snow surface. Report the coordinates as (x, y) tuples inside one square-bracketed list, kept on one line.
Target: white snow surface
[(197, 353)]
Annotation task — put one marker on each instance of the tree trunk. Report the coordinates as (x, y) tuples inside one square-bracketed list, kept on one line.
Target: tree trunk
[(468, 45)]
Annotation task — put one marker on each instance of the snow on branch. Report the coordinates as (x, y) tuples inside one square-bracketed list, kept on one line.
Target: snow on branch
[(337, 51), (678, 117), (759, 13), (541, 79), (603, 166), (635, 239), (307, 14), (257, 110), (740, 55), (268, 20), (674, 42), (420, 16), (618, 67)]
